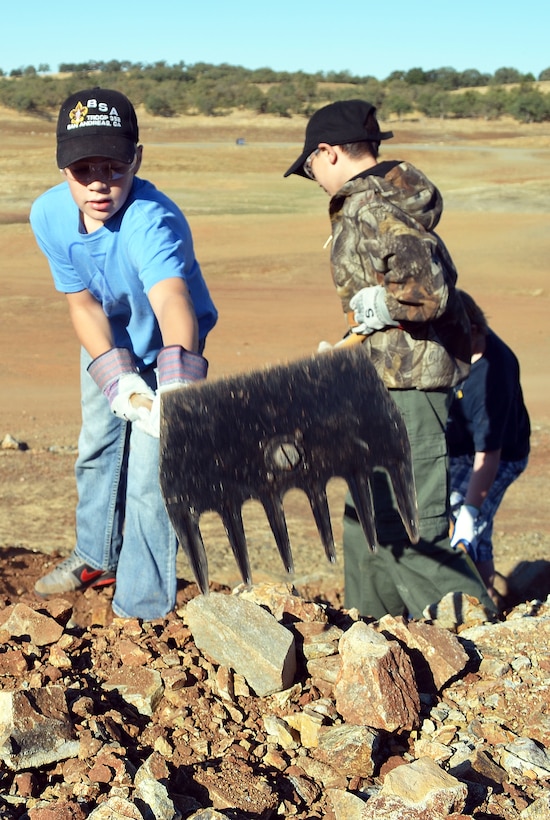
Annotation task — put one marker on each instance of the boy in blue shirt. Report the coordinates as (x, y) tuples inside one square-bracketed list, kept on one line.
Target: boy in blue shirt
[(123, 254)]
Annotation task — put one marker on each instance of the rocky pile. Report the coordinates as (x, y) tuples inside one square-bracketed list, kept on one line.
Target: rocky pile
[(262, 704)]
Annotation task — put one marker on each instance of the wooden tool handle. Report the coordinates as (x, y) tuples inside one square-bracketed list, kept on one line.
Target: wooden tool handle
[(351, 340), (139, 400)]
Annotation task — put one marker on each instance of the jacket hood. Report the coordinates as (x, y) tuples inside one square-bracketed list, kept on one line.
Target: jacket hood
[(403, 187)]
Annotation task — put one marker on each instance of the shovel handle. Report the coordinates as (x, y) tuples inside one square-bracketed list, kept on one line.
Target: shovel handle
[(139, 400), (351, 340)]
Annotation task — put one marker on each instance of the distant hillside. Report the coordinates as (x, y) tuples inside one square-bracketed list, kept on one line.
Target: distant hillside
[(216, 91)]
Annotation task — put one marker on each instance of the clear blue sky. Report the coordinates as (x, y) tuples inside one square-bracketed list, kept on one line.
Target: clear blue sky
[(361, 37)]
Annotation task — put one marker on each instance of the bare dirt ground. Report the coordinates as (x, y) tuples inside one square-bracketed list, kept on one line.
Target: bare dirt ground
[(260, 241)]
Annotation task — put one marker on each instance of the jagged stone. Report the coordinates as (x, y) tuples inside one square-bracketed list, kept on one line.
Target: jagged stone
[(317, 640), (456, 610), (153, 800), (436, 654), (138, 686), (244, 636), (317, 772), (418, 790), (308, 726), (281, 600), (527, 757), (20, 620), (35, 728), (376, 685), (325, 669), (345, 806), (231, 787), (116, 808), (538, 810), (352, 750), (280, 732), (9, 442)]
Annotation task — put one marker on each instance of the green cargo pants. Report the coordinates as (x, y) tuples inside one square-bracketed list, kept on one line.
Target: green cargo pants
[(400, 577)]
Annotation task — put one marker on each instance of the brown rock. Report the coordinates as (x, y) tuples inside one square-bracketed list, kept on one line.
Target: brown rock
[(20, 620), (376, 686)]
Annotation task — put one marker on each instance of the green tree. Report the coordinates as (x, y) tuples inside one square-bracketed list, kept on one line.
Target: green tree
[(158, 105), (465, 105), (448, 79), (505, 76), (472, 78), (434, 104), (396, 104), (494, 102), (528, 104), (415, 76), (281, 100)]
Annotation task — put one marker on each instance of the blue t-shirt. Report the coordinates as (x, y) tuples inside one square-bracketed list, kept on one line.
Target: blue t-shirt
[(487, 410), (147, 241)]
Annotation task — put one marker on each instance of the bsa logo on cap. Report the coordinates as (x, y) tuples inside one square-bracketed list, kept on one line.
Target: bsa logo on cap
[(78, 114), (96, 123)]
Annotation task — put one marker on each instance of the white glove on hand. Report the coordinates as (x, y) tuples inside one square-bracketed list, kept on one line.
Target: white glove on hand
[(465, 526), (130, 384), (370, 310), (323, 347), (116, 375), (177, 367)]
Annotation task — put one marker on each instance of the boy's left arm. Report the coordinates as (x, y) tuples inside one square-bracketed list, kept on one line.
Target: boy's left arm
[(175, 313), (178, 361)]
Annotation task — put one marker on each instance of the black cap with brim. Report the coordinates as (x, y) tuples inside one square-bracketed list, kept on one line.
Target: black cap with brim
[(96, 122), (337, 124)]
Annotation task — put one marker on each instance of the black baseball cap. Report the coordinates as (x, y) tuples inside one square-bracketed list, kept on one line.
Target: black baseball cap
[(337, 124), (96, 122)]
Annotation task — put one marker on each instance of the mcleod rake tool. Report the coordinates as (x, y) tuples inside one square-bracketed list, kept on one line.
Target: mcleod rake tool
[(258, 435)]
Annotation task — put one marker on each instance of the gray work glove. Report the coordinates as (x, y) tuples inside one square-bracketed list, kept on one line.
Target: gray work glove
[(117, 376), (370, 310)]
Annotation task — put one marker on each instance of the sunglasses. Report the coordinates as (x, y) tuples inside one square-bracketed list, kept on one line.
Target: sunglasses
[(307, 164), (85, 172)]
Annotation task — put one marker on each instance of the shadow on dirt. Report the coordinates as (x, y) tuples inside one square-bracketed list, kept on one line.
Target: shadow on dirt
[(528, 581)]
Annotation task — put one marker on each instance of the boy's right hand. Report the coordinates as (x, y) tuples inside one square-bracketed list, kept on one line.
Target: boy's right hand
[(130, 385), (116, 375)]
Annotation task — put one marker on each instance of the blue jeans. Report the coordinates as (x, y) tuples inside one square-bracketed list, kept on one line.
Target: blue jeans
[(121, 521), (481, 548)]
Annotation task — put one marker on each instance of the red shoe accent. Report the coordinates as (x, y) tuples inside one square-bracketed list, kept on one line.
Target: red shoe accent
[(103, 582), (86, 576)]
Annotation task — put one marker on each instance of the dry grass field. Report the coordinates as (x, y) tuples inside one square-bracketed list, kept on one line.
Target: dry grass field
[(260, 240)]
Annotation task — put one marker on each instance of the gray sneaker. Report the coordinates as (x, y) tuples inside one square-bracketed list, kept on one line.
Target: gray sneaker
[(70, 575)]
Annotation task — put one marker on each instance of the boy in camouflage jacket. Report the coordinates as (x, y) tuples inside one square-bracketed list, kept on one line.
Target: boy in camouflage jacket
[(396, 281)]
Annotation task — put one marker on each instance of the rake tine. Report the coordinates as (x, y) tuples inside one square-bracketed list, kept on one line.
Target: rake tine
[(233, 523), (273, 507), (319, 506), (186, 526), (401, 479), (359, 488)]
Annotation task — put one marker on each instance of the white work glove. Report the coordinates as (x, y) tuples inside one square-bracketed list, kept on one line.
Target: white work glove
[(116, 375), (370, 310), (324, 347), (177, 367), (465, 526)]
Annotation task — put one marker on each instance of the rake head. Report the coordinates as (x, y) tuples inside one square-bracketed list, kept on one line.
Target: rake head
[(258, 435)]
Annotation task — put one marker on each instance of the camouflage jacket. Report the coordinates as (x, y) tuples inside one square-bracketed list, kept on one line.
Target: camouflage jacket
[(383, 234)]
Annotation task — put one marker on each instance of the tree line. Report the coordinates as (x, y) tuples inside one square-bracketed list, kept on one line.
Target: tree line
[(215, 90)]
